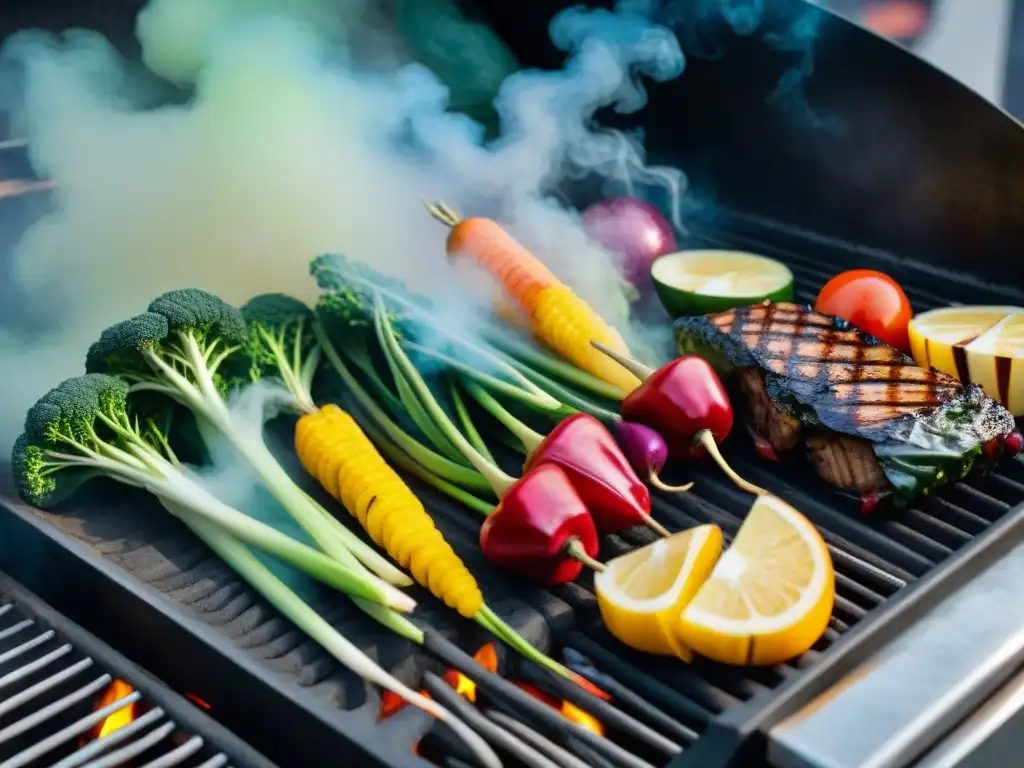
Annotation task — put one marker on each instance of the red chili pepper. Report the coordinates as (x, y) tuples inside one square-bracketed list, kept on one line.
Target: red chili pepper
[(681, 400), (871, 501), (685, 401), (1013, 443), (541, 528), (762, 447), (602, 476)]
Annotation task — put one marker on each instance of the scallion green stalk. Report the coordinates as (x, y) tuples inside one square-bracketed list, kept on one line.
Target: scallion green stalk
[(439, 465)]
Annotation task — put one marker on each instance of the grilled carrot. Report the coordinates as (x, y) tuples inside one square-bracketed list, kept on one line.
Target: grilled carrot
[(519, 272), (558, 317), (335, 451)]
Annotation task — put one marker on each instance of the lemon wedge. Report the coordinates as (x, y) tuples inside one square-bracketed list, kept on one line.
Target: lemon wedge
[(641, 594), (769, 596), (980, 345)]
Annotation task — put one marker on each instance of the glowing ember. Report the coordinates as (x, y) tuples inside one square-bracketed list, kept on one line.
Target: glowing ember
[(115, 691), (198, 701), (586, 685), (487, 657), (581, 718), (569, 710)]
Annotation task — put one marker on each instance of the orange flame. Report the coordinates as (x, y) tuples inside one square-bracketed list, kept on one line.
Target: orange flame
[(487, 657), (116, 691), (569, 710)]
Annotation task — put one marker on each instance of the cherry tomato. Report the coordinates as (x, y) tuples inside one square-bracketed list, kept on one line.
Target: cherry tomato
[(870, 300)]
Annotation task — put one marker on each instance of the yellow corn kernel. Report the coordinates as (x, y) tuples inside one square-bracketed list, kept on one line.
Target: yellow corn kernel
[(566, 324), (339, 455)]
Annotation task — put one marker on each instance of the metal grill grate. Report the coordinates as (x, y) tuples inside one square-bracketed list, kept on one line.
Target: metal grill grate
[(56, 698), (874, 559)]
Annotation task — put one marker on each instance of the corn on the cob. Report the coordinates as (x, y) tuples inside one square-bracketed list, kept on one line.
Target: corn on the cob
[(566, 324), (335, 451)]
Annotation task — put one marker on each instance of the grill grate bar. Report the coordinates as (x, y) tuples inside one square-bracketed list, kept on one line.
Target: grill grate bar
[(97, 747), (134, 749), (26, 646), (177, 756), (63, 703), (219, 761), (42, 687), (22, 672), (15, 629), (676, 692), (562, 757), (81, 726)]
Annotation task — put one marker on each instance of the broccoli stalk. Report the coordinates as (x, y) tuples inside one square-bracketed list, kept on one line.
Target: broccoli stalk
[(177, 349), (82, 430), (280, 344)]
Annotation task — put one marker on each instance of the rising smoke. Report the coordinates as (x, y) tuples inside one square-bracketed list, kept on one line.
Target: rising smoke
[(294, 144)]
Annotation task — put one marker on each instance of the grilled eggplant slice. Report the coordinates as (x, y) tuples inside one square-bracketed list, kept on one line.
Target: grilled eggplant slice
[(873, 420)]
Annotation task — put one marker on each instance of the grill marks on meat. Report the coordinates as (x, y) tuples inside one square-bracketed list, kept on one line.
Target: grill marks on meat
[(854, 383)]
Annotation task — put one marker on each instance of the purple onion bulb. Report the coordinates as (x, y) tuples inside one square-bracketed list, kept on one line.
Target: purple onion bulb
[(646, 451)]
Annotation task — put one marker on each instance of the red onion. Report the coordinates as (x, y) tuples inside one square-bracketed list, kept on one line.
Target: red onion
[(634, 231), (646, 452)]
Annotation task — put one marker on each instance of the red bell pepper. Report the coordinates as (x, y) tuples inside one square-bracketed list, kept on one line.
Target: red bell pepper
[(541, 528), (586, 451), (685, 401)]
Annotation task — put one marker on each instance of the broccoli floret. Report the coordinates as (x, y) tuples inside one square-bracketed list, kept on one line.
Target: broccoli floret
[(281, 344), (205, 316), (352, 288), (77, 426), (122, 347), (175, 348)]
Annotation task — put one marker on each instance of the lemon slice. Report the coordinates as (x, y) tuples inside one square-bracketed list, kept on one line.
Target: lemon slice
[(641, 594), (979, 345), (770, 595), (697, 282)]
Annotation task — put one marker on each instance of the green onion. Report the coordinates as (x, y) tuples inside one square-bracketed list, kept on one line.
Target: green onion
[(439, 465), (531, 357), (462, 413)]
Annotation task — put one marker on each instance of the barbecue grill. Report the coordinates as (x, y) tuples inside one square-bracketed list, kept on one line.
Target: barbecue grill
[(868, 157), (67, 699)]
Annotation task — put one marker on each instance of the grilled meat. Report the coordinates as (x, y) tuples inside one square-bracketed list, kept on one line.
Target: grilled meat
[(848, 463), (782, 430), (872, 419)]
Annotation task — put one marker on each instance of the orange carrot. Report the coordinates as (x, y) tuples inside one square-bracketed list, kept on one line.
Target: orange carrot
[(519, 272)]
